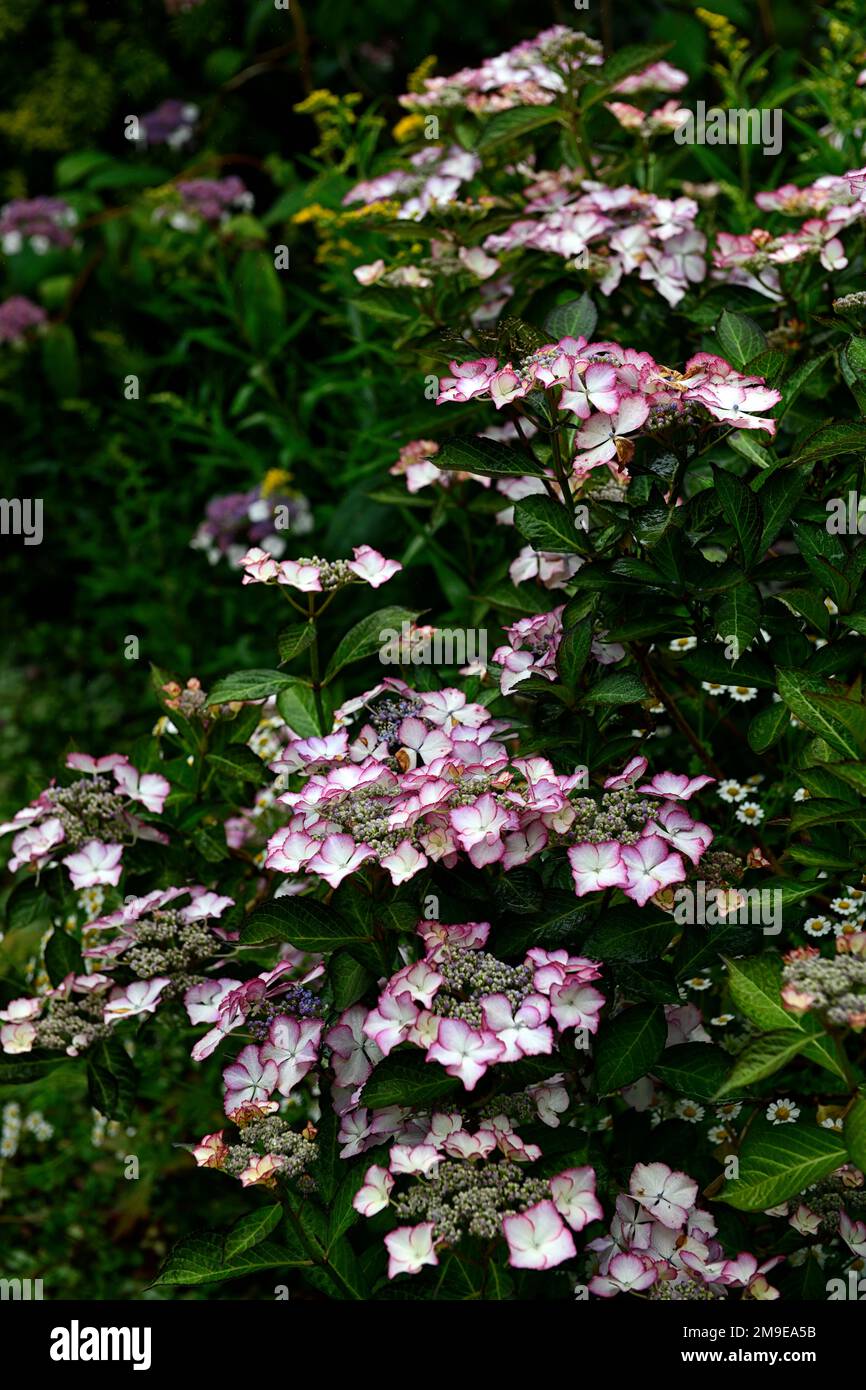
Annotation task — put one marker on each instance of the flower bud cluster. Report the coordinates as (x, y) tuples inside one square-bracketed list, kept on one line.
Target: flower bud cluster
[(465, 1198), (270, 1136), (470, 976), (833, 986), (166, 943), (89, 810), (617, 815), (73, 1024)]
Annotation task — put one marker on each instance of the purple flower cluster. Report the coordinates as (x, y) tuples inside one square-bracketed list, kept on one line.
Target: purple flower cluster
[(210, 200), (171, 123), (238, 520), (17, 316), (39, 223)]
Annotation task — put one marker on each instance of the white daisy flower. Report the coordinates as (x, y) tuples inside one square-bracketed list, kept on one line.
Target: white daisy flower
[(713, 687), (730, 790), (717, 1134), (817, 926), (683, 644), (846, 928), (689, 1110), (750, 813), (722, 1020), (742, 693), (782, 1112), (844, 906), (699, 982), (802, 794), (729, 1110)]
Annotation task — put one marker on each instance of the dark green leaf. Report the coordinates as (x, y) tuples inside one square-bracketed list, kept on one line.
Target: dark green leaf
[(737, 618), (248, 685), (548, 525), (764, 1056), (694, 1069), (573, 653), (488, 458), (855, 1133), (202, 1260), (742, 511), (305, 923), (628, 1046), (404, 1078), (832, 439), (574, 319), (250, 1230), (297, 705), (739, 338), (778, 1162), (768, 727), (622, 688), (237, 760), (27, 903), (295, 639), (369, 636), (112, 1079), (514, 124), (62, 955)]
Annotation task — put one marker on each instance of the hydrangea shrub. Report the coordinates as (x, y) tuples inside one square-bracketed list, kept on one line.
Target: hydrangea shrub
[(537, 969)]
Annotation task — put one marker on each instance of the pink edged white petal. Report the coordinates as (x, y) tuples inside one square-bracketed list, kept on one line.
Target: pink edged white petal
[(249, 1080), (574, 1197), (410, 1248), (667, 1195), (375, 1193), (95, 864), (464, 1051), (651, 865), (538, 1238), (597, 866), (372, 567)]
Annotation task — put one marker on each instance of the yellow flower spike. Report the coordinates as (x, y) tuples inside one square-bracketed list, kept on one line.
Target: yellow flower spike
[(314, 212), (424, 70), (408, 128), (316, 102), (274, 480)]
